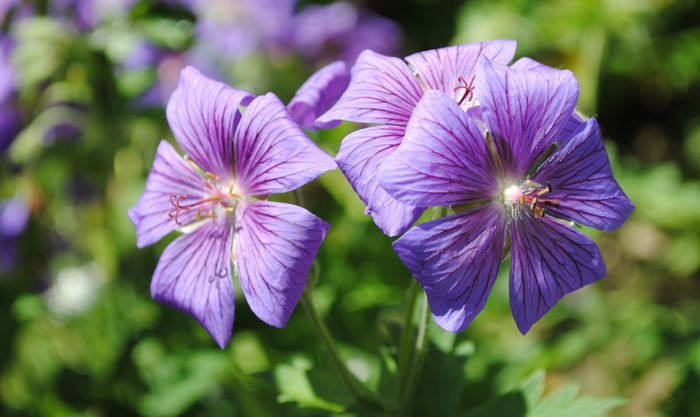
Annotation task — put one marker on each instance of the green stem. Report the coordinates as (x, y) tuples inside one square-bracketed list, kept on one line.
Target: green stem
[(406, 333), (417, 362), (324, 334)]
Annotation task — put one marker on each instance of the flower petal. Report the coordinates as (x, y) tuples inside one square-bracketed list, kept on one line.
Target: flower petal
[(203, 114), (275, 246), (170, 177), (382, 90), (525, 110), (456, 261), (443, 159), (272, 154), (439, 68), (360, 155), (318, 94), (194, 275), (582, 182), (548, 260)]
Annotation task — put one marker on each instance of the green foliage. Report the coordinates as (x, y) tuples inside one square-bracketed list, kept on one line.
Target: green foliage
[(527, 401)]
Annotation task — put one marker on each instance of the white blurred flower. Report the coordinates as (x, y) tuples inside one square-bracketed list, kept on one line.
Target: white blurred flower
[(75, 289)]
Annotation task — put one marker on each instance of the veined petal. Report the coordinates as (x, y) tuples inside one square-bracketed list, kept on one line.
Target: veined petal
[(525, 110), (582, 182), (382, 90), (275, 245), (318, 94), (439, 68), (526, 63), (194, 275), (360, 155), (456, 261), (272, 154), (203, 114), (171, 177), (548, 260), (443, 159)]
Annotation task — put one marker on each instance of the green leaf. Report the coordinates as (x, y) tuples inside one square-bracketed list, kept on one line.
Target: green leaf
[(527, 401), (307, 387)]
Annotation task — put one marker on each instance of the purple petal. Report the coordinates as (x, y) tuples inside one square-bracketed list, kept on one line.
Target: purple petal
[(582, 182), (360, 156), (443, 159), (203, 114), (171, 176), (272, 154), (548, 260), (526, 63), (194, 275), (573, 124), (382, 90), (318, 94), (439, 68), (275, 246), (456, 261), (525, 110)]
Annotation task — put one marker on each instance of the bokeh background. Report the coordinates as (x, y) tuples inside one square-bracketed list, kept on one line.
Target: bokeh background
[(82, 92)]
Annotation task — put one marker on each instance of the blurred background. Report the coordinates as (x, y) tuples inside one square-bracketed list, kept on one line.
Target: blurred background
[(83, 85)]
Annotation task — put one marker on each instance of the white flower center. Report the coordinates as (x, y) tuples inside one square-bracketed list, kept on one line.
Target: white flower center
[(512, 195)]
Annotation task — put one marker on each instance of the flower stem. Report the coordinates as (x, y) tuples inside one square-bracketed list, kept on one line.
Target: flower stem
[(350, 381), (417, 362), (406, 333)]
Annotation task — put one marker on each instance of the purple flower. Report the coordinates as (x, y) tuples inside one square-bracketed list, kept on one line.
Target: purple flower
[(339, 31), (384, 91), (14, 215), (321, 91), (10, 120), (500, 193), (218, 196), (235, 28), (87, 14)]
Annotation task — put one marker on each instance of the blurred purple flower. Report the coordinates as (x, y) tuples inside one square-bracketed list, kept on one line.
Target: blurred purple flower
[(321, 91), (87, 14), (500, 192), (14, 215), (384, 91), (10, 120), (218, 194), (339, 31), (234, 28)]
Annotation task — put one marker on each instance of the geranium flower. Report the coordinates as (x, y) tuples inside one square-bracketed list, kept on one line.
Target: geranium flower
[(218, 194), (491, 172), (384, 91)]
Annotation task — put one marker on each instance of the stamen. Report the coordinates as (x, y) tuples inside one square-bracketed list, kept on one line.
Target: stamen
[(531, 195)]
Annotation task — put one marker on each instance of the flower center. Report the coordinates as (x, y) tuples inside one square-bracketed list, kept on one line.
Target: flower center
[(528, 195), (221, 199), (513, 195)]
